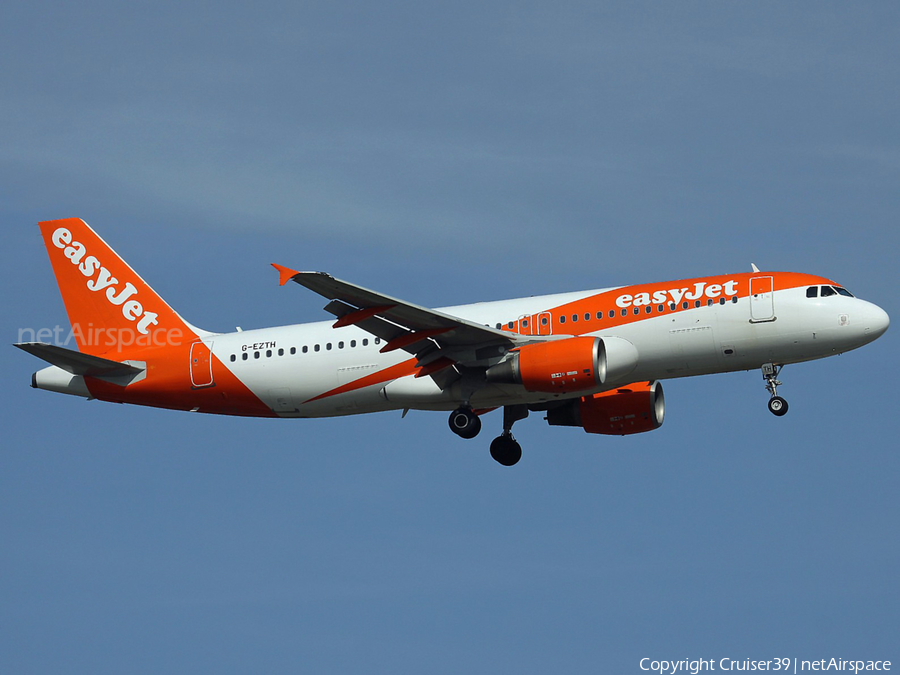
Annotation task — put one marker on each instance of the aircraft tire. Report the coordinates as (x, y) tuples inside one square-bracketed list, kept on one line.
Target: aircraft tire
[(464, 423), (778, 406), (505, 450)]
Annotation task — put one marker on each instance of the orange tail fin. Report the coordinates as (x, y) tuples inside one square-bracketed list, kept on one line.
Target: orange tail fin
[(109, 306)]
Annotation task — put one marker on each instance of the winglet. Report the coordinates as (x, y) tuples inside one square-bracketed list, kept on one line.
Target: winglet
[(286, 274)]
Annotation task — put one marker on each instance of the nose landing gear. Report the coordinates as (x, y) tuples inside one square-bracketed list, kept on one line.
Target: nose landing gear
[(777, 405)]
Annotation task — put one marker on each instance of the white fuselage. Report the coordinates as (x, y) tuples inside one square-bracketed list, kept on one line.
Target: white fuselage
[(291, 367)]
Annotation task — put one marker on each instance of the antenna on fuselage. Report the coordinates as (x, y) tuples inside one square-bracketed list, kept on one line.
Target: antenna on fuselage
[(754, 267)]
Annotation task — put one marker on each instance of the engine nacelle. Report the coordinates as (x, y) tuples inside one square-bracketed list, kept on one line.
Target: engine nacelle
[(557, 366), (632, 409), (618, 357), (569, 365)]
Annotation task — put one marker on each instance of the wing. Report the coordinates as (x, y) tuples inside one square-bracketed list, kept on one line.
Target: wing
[(437, 340)]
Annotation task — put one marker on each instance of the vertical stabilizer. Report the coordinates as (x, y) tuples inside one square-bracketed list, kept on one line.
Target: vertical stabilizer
[(109, 306)]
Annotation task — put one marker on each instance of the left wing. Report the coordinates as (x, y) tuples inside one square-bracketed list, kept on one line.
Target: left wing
[(436, 339)]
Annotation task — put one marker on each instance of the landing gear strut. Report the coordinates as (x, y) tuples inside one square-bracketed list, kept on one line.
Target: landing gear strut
[(465, 423), (777, 405), (505, 449)]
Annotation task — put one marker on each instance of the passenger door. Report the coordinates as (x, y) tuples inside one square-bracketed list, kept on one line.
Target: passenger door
[(201, 364), (762, 299)]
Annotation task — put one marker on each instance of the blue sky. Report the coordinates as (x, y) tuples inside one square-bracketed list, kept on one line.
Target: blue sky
[(448, 153)]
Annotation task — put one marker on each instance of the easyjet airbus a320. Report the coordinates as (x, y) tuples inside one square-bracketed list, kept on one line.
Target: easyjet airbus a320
[(590, 359)]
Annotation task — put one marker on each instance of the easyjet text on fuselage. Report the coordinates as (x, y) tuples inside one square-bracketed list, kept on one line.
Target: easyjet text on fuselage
[(676, 295)]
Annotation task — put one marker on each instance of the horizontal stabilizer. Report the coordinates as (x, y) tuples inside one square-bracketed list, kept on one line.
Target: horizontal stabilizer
[(78, 363)]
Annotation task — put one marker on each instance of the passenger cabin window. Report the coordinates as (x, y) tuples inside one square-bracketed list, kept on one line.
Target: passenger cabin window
[(562, 319), (827, 291), (812, 292)]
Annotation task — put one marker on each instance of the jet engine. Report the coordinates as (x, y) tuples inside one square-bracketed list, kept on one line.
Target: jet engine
[(569, 365), (631, 409), (557, 366)]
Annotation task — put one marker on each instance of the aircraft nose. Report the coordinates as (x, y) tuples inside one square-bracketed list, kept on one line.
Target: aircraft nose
[(876, 321)]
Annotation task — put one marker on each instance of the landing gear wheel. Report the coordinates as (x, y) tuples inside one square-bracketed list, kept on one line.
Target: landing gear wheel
[(505, 450), (778, 406), (464, 423)]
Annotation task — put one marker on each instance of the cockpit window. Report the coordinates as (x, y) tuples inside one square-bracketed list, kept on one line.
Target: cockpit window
[(812, 292), (827, 290), (843, 291)]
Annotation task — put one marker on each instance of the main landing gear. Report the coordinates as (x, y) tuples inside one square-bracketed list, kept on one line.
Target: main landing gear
[(777, 405), (504, 449), (465, 423)]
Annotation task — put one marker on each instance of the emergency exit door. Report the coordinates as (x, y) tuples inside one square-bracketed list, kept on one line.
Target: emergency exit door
[(536, 324)]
